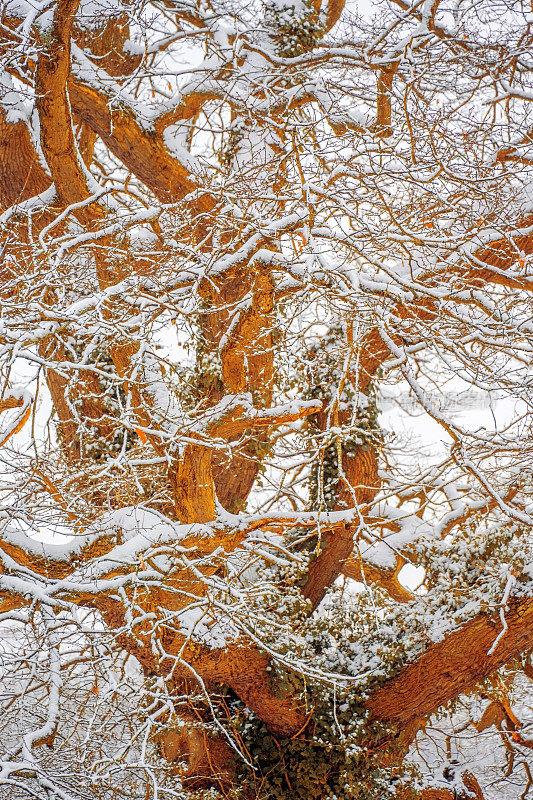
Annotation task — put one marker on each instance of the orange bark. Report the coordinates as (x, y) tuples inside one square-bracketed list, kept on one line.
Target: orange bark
[(57, 135), (21, 174), (142, 153), (357, 486), (453, 666)]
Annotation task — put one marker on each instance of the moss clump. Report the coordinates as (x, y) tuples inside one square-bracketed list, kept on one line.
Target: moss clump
[(296, 27), (324, 478), (332, 759), (232, 144), (327, 663), (356, 423), (339, 656)]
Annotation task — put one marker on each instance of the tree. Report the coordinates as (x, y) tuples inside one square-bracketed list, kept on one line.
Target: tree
[(229, 231)]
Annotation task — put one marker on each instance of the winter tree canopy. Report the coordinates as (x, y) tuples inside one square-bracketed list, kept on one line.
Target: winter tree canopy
[(266, 399)]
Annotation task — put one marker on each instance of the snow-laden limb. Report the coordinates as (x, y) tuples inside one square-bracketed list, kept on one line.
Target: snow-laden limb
[(452, 666), (503, 608), (129, 533), (124, 222), (235, 414), (408, 528), (48, 730), (27, 207), (133, 529), (15, 398)]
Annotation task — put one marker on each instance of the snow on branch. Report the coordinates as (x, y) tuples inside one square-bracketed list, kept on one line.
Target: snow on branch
[(15, 398)]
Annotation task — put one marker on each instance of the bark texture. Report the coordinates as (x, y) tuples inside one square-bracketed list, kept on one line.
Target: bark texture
[(453, 666)]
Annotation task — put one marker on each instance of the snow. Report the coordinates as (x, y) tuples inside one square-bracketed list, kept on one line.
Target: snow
[(142, 237), (382, 552), (16, 101), (451, 744), (175, 138), (135, 527), (336, 260), (28, 206)]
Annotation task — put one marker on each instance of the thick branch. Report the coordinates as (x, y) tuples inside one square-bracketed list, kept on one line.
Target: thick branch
[(57, 135), (453, 666), (140, 151), (357, 570), (358, 483), (21, 174), (11, 402), (333, 14), (240, 419)]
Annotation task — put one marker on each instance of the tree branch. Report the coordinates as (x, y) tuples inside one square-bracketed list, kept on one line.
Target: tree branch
[(453, 666), (141, 152), (57, 136)]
